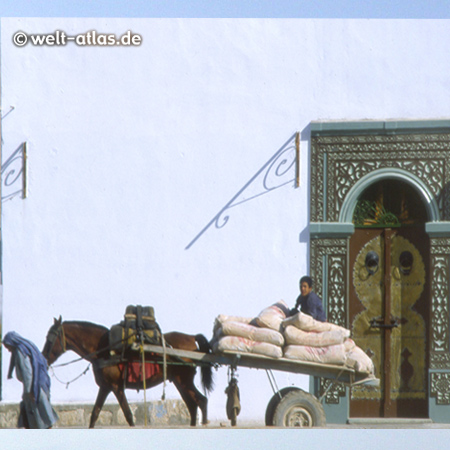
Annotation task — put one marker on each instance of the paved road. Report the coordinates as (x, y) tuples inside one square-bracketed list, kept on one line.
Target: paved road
[(250, 426)]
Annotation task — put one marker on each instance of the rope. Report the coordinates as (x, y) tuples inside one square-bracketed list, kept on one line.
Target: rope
[(67, 383), (163, 397), (66, 364), (273, 382), (144, 383)]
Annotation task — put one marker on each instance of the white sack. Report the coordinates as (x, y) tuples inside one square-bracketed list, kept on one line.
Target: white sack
[(272, 316), (349, 345), (295, 336), (239, 344), (223, 318), (306, 322), (333, 354), (357, 359), (253, 333)]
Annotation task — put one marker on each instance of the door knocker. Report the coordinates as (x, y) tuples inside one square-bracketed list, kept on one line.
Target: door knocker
[(372, 262)]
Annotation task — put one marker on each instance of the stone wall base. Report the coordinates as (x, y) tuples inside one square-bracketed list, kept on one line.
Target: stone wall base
[(73, 415)]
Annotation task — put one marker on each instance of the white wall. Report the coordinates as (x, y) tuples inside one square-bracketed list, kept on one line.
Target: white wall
[(132, 151)]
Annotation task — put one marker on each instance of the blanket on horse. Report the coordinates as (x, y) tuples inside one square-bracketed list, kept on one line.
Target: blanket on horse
[(134, 372)]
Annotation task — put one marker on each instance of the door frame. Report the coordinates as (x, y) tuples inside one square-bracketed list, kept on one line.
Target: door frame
[(346, 157)]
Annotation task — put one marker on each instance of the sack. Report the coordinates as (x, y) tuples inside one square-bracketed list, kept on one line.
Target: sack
[(240, 344), (359, 360), (223, 318), (272, 316), (295, 336), (349, 344), (253, 333), (333, 354), (306, 322), (139, 325)]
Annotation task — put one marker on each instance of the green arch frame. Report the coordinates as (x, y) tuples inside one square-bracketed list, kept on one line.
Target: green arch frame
[(348, 206)]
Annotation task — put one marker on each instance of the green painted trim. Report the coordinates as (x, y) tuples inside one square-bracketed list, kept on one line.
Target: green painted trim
[(338, 413), (336, 128), (320, 230), (348, 206), (437, 413), (438, 229)]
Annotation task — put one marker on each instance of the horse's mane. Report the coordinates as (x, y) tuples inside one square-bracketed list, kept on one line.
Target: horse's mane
[(86, 324)]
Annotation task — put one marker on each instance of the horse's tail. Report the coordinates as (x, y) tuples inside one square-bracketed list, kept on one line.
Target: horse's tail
[(206, 370)]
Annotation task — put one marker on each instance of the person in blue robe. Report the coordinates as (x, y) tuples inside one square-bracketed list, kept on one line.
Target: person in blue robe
[(30, 366)]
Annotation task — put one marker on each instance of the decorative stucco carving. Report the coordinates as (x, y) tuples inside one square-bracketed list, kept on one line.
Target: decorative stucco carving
[(334, 253), (440, 296), (440, 387), (333, 391), (337, 163), (330, 263)]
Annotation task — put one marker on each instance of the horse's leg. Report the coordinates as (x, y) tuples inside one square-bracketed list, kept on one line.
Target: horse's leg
[(202, 403), (184, 382), (123, 402), (103, 392), (188, 399)]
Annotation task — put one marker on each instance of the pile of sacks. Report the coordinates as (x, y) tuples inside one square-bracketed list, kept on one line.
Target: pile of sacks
[(300, 337)]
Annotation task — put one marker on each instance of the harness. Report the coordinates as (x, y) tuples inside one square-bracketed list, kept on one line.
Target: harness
[(53, 335), (57, 331)]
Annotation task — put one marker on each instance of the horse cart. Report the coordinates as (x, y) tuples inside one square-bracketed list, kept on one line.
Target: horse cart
[(289, 406), (175, 357)]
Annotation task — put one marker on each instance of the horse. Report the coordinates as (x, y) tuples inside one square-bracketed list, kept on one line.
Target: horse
[(91, 342)]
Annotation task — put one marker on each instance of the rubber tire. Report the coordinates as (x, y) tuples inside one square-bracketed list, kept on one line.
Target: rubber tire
[(273, 403), (299, 409)]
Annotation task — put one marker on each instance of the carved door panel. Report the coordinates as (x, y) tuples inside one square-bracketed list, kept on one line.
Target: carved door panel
[(389, 315)]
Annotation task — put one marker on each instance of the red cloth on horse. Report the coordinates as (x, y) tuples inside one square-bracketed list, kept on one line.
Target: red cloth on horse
[(134, 371)]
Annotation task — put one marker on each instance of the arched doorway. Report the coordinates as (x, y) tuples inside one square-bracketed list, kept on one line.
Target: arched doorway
[(389, 299), (350, 162)]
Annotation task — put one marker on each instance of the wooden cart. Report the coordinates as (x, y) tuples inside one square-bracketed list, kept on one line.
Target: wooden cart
[(290, 406)]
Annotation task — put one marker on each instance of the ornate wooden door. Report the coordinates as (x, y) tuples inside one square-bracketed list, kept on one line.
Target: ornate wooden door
[(389, 316)]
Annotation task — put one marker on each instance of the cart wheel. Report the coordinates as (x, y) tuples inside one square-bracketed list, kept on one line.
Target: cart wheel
[(273, 403), (299, 409)]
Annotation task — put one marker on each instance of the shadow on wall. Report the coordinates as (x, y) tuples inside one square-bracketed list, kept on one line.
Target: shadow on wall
[(13, 174), (13, 169), (278, 171), (281, 169)]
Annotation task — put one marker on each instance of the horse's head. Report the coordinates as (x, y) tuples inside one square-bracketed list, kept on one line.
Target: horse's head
[(55, 344)]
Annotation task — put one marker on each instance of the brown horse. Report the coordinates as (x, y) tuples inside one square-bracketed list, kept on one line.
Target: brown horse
[(91, 342)]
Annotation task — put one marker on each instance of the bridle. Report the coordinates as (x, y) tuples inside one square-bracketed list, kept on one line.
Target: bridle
[(55, 333)]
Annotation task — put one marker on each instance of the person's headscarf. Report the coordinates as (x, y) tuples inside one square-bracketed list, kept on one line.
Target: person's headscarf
[(38, 362)]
